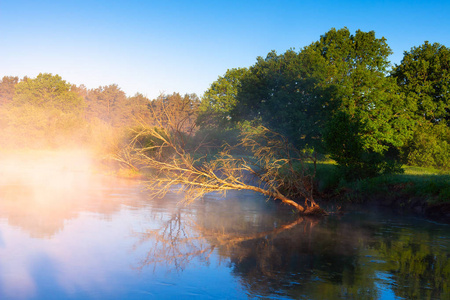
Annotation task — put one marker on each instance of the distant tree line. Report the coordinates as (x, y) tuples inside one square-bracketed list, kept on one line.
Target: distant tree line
[(38, 110), (107, 103), (338, 96)]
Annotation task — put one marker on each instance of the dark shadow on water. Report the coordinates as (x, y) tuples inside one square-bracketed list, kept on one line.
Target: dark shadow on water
[(358, 255)]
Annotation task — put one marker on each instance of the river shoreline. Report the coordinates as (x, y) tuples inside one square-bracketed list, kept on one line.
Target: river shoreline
[(400, 197), (398, 202)]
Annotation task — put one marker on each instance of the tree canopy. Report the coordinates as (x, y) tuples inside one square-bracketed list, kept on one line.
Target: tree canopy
[(108, 103), (7, 88), (44, 111), (337, 95), (333, 93), (48, 91), (365, 117), (220, 98), (423, 77), (280, 90)]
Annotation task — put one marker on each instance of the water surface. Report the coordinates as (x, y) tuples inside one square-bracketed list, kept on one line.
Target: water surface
[(67, 233)]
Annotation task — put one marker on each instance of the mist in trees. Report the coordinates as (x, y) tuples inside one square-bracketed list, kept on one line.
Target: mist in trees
[(338, 97), (7, 88), (47, 111), (42, 112)]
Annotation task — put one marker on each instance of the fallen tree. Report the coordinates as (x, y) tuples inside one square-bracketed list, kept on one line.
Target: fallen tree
[(263, 161)]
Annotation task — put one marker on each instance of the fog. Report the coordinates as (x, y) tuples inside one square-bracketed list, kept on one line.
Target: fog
[(41, 189)]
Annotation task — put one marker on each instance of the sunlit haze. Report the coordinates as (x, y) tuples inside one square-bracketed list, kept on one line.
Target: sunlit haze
[(183, 46), (267, 149)]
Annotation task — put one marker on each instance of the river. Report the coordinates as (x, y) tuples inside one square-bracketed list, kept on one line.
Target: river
[(69, 233)]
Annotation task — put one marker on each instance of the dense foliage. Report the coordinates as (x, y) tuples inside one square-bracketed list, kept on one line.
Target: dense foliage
[(365, 120), (47, 111), (337, 96), (424, 79), (43, 111), (221, 98)]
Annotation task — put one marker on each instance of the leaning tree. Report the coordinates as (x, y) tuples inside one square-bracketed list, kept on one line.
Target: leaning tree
[(263, 161)]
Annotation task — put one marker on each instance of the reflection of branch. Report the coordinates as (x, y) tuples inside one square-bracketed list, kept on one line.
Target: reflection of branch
[(175, 244), (179, 242), (223, 238)]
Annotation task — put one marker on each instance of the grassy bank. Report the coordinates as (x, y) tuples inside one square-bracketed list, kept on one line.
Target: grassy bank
[(424, 191)]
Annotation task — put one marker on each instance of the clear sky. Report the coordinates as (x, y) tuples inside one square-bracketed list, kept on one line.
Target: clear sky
[(183, 46)]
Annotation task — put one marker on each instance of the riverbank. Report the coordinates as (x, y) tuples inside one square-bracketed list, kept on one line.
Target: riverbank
[(421, 191)]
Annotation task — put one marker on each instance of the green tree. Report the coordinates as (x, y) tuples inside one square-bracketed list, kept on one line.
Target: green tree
[(336, 91), (424, 79), (49, 92), (221, 98), (366, 119), (7, 89), (45, 111), (108, 103), (282, 91), (429, 146)]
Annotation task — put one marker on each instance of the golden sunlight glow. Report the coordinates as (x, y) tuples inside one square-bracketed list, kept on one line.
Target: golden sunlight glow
[(39, 190)]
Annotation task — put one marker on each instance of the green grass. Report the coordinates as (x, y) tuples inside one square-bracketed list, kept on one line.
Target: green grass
[(428, 184), (429, 188), (411, 170)]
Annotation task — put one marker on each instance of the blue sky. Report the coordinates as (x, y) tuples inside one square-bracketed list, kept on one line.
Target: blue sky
[(183, 46)]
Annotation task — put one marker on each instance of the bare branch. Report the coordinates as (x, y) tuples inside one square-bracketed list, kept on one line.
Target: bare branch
[(270, 165)]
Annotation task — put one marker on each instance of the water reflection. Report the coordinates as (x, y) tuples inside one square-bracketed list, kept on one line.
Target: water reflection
[(181, 239), (39, 195), (360, 256), (57, 228), (418, 261), (69, 233)]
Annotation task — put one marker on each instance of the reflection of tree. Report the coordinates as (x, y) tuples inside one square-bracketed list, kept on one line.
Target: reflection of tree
[(415, 263), (268, 261), (175, 245), (303, 257), (181, 240), (316, 261), (43, 211)]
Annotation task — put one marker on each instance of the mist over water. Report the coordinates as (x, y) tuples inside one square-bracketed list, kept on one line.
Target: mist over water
[(41, 189), (69, 232)]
